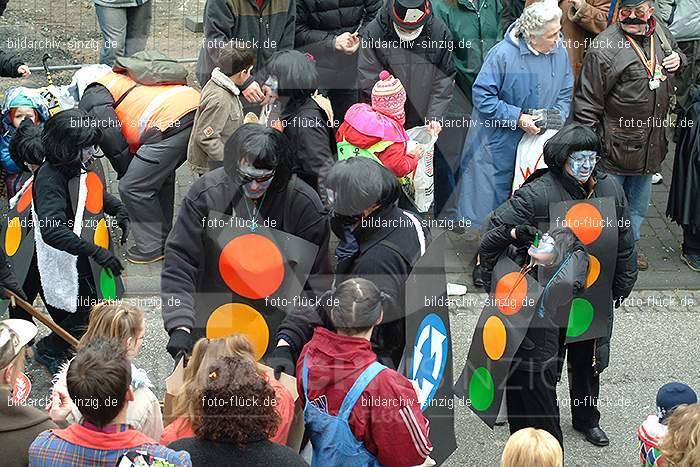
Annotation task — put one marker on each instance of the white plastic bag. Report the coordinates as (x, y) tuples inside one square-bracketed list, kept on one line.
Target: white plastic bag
[(529, 156), (423, 182)]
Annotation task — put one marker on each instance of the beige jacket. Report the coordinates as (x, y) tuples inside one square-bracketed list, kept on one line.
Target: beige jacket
[(219, 114), (143, 413)]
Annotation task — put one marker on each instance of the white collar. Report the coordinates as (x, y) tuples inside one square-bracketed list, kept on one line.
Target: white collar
[(224, 81)]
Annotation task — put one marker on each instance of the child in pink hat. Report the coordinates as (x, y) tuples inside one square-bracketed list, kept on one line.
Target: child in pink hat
[(377, 131)]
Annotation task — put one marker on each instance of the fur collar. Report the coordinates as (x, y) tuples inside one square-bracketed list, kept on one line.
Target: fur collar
[(224, 81)]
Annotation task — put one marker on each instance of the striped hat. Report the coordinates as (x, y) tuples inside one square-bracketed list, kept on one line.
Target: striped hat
[(389, 96)]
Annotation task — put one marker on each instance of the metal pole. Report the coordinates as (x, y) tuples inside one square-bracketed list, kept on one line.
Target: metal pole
[(34, 69)]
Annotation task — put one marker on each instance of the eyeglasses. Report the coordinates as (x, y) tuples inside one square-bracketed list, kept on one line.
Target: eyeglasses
[(584, 156), (259, 176), (639, 12)]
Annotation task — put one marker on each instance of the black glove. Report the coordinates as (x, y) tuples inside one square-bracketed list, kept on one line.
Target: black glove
[(123, 224), (282, 361), (526, 233), (180, 342), (106, 259), (17, 291), (550, 120)]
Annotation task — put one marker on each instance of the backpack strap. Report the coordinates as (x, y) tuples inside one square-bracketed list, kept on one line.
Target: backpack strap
[(357, 388), (123, 96)]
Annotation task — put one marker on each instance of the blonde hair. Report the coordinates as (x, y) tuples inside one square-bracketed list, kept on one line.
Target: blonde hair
[(681, 445), (204, 354), (113, 320), (530, 447)]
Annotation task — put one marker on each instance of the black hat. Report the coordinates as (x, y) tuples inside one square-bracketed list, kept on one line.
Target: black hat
[(410, 14), (631, 2)]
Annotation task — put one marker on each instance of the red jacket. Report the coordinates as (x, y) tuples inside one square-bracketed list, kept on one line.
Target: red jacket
[(393, 158), (387, 417)]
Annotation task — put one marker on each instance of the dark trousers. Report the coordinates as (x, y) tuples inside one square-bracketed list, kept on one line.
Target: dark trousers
[(446, 159), (584, 385), (74, 323), (691, 240), (532, 401)]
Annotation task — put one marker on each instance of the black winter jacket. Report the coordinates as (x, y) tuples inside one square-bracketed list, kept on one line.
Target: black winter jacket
[(424, 66), (268, 30), (530, 205), (313, 142), (183, 269), (386, 257), (544, 341), (9, 64), (318, 23)]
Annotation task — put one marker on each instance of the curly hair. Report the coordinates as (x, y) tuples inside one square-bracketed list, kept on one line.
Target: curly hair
[(535, 17), (681, 445), (236, 405)]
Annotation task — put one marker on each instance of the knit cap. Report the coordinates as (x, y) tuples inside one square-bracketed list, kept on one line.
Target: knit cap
[(389, 96)]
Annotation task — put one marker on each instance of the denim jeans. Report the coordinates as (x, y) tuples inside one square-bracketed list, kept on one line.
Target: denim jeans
[(124, 30), (638, 192)]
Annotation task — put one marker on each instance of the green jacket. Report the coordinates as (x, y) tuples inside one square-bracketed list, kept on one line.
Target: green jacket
[(474, 32)]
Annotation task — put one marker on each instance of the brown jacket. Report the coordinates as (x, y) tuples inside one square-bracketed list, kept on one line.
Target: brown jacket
[(580, 27), (614, 97), (19, 426), (220, 113)]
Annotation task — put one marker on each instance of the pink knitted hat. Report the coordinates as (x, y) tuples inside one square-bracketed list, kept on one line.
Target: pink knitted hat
[(389, 96)]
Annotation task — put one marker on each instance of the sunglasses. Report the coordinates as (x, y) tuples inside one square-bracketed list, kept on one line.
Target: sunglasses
[(248, 177), (639, 12)]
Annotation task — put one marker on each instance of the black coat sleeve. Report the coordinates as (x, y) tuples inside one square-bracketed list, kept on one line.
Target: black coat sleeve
[(314, 151), (9, 64), (313, 40), (369, 64), (372, 8), (50, 201), (98, 102), (7, 276), (492, 245), (626, 264), (442, 87)]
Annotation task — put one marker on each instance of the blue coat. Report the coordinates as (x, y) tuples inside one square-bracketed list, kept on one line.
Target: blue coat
[(512, 79)]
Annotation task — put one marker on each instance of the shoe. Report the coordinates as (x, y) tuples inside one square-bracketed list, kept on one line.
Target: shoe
[(133, 255), (657, 178), (693, 261), (476, 276), (51, 363), (595, 436), (642, 262)]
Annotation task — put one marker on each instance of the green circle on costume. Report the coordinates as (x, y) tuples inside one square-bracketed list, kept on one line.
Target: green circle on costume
[(108, 286), (580, 317), (481, 389)]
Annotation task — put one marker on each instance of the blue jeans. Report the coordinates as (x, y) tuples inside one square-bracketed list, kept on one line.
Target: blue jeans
[(638, 192), (124, 30)]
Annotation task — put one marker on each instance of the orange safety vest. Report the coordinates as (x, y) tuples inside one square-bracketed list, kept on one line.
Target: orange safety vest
[(147, 107)]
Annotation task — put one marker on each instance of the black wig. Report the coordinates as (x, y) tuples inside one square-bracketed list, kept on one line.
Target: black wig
[(25, 146), (295, 72), (359, 183), (64, 135), (571, 138)]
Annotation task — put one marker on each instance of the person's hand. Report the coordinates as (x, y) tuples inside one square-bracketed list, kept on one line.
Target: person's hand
[(60, 406), (107, 260), (434, 127), (269, 95), (14, 289), (528, 124), (526, 233), (576, 4), (417, 152), (671, 62), (343, 42), (23, 70), (253, 93), (123, 223), (353, 44), (282, 360), (180, 342)]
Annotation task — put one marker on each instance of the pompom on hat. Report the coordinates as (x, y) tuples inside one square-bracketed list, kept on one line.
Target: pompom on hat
[(389, 96)]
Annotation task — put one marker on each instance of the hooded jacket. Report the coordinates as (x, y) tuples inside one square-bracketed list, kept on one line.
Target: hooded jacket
[(9, 64), (649, 435), (424, 66), (530, 205), (387, 418)]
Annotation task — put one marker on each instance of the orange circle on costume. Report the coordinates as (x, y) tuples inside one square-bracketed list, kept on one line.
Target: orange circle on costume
[(25, 200), (494, 336), (252, 266), (240, 318), (101, 237), (95, 192), (511, 291), (13, 236), (585, 221), (593, 270)]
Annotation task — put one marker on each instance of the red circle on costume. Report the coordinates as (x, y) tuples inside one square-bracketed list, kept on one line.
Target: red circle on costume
[(252, 266), (95, 192), (25, 200), (511, 291), (585, 221)]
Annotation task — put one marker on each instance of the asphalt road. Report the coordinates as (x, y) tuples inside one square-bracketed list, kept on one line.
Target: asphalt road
[(654, 342)]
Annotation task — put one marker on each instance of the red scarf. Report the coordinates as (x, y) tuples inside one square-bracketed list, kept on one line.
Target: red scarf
[(83, 436)]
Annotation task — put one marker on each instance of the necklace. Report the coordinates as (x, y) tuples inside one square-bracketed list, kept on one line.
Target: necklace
[(256, 211)]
